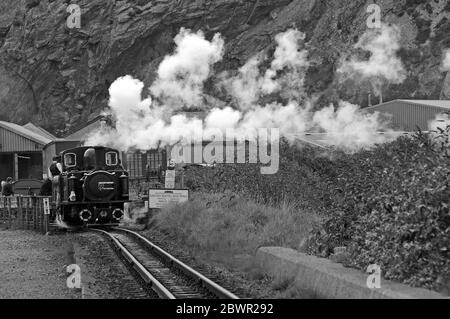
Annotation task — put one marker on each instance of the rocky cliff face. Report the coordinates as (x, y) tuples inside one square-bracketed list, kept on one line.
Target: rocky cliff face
[(58, 77)]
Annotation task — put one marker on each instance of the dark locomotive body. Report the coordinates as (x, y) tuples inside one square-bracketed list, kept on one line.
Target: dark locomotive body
[(92, 188)]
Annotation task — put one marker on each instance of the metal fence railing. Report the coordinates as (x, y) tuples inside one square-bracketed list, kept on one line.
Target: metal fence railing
[(25, 212)]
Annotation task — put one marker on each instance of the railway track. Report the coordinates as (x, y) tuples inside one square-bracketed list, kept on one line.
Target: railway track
[(166, 275)]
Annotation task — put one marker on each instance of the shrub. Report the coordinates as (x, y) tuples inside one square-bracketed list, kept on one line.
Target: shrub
[(391, 208), (225, 223), (388, 205)]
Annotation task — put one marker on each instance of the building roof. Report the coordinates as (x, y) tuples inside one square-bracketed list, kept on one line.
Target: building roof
[(325, 141), (39, 130), (24, 132), (442, 104), (445, 104), (80, 131)]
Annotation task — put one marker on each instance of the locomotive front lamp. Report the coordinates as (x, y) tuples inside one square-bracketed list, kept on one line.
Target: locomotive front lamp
[(117, 213), (85, 215)]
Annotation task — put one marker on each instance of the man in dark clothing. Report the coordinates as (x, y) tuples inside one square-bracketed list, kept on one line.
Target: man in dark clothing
[(55, 168), (7, 189), (46, 188)]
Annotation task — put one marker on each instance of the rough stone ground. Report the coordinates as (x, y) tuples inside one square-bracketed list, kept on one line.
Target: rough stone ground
[(103, 275), (33, 266)]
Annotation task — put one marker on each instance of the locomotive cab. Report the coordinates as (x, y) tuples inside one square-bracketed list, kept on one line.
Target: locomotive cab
[(93, 186)]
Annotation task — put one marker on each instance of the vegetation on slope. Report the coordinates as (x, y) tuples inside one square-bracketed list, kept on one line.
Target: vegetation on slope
[(388, 205)]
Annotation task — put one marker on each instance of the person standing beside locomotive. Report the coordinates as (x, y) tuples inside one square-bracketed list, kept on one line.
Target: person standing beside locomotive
[(55, 168), (7, 187)]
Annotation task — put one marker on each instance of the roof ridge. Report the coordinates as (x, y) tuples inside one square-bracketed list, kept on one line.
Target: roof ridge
[(25, 132), (40, 129)]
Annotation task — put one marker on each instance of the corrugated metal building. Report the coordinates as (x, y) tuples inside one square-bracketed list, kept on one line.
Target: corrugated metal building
[(20, 152), (407, 115)]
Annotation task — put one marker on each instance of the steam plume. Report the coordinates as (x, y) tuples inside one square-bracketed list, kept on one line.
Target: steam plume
[(181, 75), (250, 85), (151, 121), (446, 62), (348, 127), (383, 65)]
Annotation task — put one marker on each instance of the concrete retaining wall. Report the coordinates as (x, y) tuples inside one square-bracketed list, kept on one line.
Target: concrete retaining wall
[(326, 279)]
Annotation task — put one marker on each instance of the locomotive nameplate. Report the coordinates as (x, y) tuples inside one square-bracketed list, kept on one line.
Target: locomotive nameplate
[(106, 186), (160, 198)]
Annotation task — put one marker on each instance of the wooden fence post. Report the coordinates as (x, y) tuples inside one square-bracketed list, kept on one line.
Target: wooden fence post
[(27, 207), (9, 213), (19, 217), (2, 208), (35, 217), (41, 203), (41, 224)]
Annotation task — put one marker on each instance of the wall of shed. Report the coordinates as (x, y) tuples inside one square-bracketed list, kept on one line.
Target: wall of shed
[(409, 116), (12, 142)]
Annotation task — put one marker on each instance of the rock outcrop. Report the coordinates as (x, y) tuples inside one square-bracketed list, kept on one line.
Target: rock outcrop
[(57, 76)]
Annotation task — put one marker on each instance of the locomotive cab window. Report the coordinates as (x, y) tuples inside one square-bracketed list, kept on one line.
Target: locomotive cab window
[(111, 159), (89, 159), (70, 160)]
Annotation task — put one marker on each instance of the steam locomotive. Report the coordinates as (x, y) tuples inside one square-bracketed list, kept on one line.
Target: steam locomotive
[(92, 188)]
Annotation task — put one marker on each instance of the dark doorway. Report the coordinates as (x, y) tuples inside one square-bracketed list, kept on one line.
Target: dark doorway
[(30, 165), (6, 166)]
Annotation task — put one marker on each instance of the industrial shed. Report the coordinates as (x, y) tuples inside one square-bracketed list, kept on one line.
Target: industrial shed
[(21, 152), (407, 115)]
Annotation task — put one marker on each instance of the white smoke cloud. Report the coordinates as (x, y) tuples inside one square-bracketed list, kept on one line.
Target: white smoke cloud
[(348, 127), (446, 61), (289, 119), (246, 86), (383, 65), (439, 128), (149, 122), (181, 75), (287, 56), (441, 122), (139, 123), (289, 60)]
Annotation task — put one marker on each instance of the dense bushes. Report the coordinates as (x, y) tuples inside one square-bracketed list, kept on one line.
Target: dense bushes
[(388, 206), (296, 181), (391, 208)]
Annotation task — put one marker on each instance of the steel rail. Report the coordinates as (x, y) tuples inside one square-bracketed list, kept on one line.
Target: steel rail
[(188, 271), (160, 290)]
